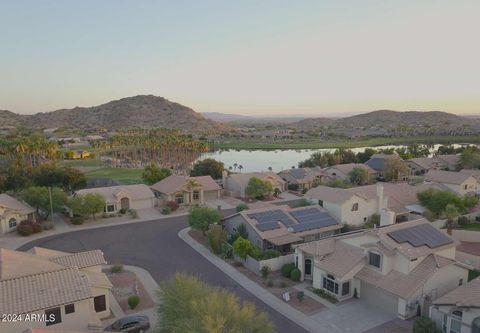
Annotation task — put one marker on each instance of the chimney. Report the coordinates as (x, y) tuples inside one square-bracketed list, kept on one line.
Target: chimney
[(224, 180), (387, 217), (380, 203)]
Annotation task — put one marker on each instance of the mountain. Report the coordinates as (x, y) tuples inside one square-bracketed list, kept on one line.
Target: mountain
[(143, 111), (243, 119), (394, 123), (226, 117)]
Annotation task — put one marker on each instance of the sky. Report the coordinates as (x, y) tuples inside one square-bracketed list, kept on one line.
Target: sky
[(253, 57)]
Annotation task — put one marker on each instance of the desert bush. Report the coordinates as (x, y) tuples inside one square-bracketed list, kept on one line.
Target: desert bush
[(47, 225), (116, 268), (269, 254), (173, 205), (104, 215), (300, 296), (325, 295), (425, 325), (133, 213), (216, 237), (77, 220), (295, 274), (287, 269), (265, 271), (36, 228), (25, 228), (241, 206), (122, 211), (166, 211), (133, 301), (462, 220)]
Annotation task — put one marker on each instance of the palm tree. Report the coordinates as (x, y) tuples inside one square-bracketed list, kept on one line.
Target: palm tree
[(270, 168), (235, 165), (240, 167), (451, 213)]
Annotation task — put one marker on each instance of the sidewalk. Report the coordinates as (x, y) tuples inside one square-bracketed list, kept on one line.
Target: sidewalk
[(13, 240), (294, 315)]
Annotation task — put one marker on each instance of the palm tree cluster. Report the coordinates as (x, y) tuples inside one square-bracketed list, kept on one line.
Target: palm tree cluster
[(28, 149), (168, 148)]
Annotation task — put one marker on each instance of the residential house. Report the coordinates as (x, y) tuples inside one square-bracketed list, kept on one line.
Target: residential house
[(69, 289), (461, 183), (399, 268), (459, 310), (123, 197), (421, 165), (187, 190), (472, 172), (12, 212), (236, 183), (378, 162), (78, 154), (303, 178), (342, 171), (280, 227), (394, 202)]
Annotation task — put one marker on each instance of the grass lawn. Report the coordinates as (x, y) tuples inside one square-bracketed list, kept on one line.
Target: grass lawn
[(122, 175), (470, 226), (347, 143)]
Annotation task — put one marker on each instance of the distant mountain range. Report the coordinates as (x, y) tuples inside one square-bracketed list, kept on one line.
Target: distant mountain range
[(143, 111), (238, 118)]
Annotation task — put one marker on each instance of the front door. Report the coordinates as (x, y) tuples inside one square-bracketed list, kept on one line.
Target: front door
[(125, 203), (308, 267)]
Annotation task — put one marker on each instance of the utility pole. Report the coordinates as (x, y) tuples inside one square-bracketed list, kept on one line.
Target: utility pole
[(51, 202)]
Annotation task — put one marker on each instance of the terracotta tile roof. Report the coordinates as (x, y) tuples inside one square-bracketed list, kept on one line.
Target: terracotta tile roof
[(41, 291), (378, 161), (472, 172), (447, 177), (243, 178), (348, 167), (111, 193), (341, 260), (452, 159), (467, 295), (404, 285), (14, 204), (81, 259), (329, 194), (174, 183), (304, 175), (97, 279), (15, 264)]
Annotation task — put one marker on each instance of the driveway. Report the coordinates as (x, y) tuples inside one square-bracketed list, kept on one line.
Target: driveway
[(156, 247)]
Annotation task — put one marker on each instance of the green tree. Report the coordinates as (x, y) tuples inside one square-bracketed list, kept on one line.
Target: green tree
[(258, 188), (200, 218), (87, 204), (51, 174), (243, 247), (208, 167), (216, 238), (425, 325), (437, 200), (187, 304), (359, 176), (451, 213), (470, 158), (153, 173), (39, 198), (395, 168)]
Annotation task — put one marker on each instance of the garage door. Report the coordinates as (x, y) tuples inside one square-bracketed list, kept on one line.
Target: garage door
[(210, 195), (378, 298)]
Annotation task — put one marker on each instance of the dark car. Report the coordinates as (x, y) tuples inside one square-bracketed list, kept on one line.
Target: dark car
[(130, 324)]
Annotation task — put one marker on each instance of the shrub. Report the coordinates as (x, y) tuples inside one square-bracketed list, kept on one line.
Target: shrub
[(216, 237), (133, 301), (166, 211), (47, 225), (116, 268), (241, 206), (300, 296), (112, 215), (265, 271), (122, 211), (425, 325), (77, 220), (269, 254), (243, 247), (133, 214), (104, 215), (173, 205), (325, 295), (25, 228), (200, 218), (36, 228), (295, 274), (287, 269), (462, 220)]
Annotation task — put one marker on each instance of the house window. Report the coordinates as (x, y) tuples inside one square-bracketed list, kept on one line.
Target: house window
[(444, 323), (100, 303), (110, 208), (69, 308), (465, 186), (460, 282), (179, 199), (456, 321), (346, 288), (196, 195), (354, 207), (12, 223), (330, 284), (54, 316), (374, 259), (320, 203)]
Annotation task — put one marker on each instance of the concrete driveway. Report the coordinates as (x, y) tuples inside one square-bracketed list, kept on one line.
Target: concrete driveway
[(156, 247)]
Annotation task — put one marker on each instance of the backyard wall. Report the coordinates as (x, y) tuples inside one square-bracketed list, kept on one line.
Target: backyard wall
[(275, 264)]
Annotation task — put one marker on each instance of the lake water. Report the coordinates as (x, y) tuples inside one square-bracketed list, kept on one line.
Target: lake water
[(261, 160)]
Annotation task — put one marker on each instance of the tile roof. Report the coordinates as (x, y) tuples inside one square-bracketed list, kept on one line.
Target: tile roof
[(377, 161), (111, 193), (174, 182), (15, 264), (14, 204), (43, 290), (341, 260), (451, 159), (467, 295), (81, 259), (243, 178), (304, 175), (447, 177), (329, 194), (348, 167), (404, 285)]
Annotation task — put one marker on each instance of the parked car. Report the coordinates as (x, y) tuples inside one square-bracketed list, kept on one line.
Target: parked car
[(130, 324)]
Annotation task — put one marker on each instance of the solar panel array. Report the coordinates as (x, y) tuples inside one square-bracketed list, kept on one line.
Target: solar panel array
[(306, 219), (419, 235)]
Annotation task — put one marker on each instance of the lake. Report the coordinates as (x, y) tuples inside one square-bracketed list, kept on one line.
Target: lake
[(261, 160)]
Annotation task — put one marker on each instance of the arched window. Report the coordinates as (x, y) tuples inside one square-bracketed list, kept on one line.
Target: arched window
[(12, 223), (476, 325)]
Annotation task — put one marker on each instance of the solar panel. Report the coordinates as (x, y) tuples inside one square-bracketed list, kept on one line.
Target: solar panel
[(267, 226), (419, 235)]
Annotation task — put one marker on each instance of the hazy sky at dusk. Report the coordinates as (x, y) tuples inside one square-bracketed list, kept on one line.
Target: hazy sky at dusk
[(250, 57)]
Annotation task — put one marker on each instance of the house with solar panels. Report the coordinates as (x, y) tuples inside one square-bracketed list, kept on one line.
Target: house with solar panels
[(400, 268), (342, 171), (299, 179), (280, 227)]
